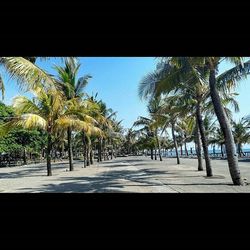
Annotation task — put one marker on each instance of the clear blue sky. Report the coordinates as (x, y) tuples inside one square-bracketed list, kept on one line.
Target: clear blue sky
[(116, 81), (114, 78)]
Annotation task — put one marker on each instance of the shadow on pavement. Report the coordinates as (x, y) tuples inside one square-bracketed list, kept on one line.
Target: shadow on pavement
[(113, 181)]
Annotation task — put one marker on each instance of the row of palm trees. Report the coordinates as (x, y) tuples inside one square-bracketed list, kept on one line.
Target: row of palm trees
[(61, 107), (185, 90), (181, 91)]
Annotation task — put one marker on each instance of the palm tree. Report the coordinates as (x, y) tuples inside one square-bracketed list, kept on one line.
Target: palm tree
[(89, 111), (194, 92), (185, 128), (158, 120), (230, 77), (25, 71), (170, 78), (104, 118), (153, 124), (48, 111), (172, 109), (197, 138), (200, 67), (114, 136), (27, 74), (241, 133), (217, 138), (148, 129), (72, 88)]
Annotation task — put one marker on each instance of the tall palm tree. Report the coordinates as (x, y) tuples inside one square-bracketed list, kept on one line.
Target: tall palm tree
[(171, 110), (185, 127), (200, 67), (230, 77), (217, 138), (241, 133), (155, 123), (197, 139), (194, 91), (27, 74), (104, 118), (149, 129), (72, 88), (89, 111), (178, 76), (25, 71), (48, 111)]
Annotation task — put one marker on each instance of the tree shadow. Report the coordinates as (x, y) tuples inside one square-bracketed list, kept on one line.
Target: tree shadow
[(33, 170), (114, 181), (244, 160), (103, 182), (202, 184)]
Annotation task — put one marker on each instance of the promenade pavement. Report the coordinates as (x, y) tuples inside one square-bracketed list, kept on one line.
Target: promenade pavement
[(125, 174)]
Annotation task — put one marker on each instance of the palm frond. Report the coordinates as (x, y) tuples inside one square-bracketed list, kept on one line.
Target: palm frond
[(27, 74), (57, 100), (28, 121), (231, 101), (95, 131), (231, 77), (82, 83), (22, 104), (142, 121), (147, 85), (67, 121)]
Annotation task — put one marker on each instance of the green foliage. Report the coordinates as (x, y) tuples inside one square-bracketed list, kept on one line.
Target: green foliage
[(18, 138), (241, 131), (5, 112)]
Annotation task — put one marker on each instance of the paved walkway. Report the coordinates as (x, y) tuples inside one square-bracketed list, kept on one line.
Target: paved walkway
[(128, 174)]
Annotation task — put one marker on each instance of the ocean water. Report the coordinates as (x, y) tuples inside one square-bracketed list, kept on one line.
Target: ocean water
[(211, 151)]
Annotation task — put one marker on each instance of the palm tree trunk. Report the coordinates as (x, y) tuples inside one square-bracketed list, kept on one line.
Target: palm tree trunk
[(70, 151), (152, 153), (204, 140), (24, 156), (185, 145), (221, 150), (48, 155), (103, 150), (43, 153), (155, 154), (63, 152), (242, 152), (84, 151), (175, 143), (198, 148), (239, 149), (99, 150), (91, 155), (60, 152), (159, 145), (88, 155), (226, 129), (181, 150), (112, 152)]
